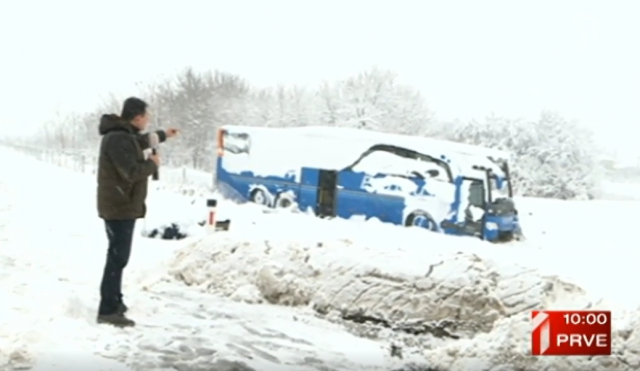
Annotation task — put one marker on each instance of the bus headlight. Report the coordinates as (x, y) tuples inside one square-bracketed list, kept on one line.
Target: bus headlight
[(492, 226)]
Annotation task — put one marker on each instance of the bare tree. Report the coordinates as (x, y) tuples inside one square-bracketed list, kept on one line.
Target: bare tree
[(262, 109), (328, 100), (200, 102)]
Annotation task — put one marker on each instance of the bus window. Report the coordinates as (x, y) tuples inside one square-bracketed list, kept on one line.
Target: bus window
[(429, 170), (497, 192), (236, 143), (476, 194), (400, 161), (383, 162)]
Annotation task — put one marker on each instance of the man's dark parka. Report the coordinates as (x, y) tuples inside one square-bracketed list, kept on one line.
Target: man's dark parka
[(123, 171)]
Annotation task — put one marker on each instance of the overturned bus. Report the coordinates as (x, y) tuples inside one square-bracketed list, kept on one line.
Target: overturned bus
[(441, 186)]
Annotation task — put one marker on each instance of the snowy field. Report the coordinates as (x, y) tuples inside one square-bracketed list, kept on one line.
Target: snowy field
[(286, 291)]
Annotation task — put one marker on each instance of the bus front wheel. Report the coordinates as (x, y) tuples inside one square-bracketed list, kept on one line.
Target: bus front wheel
[(422, 220)]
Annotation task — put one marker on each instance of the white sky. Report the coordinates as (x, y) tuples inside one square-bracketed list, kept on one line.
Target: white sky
[(470, 58)]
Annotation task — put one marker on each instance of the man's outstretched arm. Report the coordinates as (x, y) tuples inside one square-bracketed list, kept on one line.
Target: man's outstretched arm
[(143, 139)]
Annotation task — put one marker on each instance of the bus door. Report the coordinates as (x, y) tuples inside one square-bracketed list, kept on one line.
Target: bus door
[(326, 200)]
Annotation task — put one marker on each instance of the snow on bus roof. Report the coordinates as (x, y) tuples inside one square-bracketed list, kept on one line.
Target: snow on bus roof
[(418, 144)]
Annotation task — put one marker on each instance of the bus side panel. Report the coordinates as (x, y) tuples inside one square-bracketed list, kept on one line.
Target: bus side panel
[(308, 189), (226, 185), (355, 200), (392, 193), (396, 197), (352, 201), (241, 187), (392, 209)]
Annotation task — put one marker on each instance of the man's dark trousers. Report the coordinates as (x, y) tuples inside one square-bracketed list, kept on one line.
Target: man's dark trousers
[(120, 234)]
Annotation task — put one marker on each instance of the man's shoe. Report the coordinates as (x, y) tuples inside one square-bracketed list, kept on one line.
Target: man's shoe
[(122, 309), (118, 320)]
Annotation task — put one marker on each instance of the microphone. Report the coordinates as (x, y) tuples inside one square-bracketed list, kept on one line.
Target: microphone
[(154, 141)]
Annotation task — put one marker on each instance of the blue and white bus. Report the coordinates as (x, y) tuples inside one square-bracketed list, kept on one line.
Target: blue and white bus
[(442, 186)]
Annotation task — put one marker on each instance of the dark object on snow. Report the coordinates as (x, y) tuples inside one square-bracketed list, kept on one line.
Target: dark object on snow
[(168, 233), (123, 171), (221, 225), (120, 235), (173, 232), (438, 330), (118, 320), (395, 351)]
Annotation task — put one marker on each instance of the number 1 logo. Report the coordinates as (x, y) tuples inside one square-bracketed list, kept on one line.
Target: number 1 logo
[(541, 334)]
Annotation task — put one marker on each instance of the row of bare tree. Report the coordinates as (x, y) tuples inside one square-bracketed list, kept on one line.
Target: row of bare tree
[(200, 102)]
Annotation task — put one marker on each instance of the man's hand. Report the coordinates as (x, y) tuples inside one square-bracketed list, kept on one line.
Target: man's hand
[(172, 132), (155, 159)]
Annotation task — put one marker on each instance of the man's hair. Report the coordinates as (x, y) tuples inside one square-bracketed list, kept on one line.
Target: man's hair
[(133, 107)]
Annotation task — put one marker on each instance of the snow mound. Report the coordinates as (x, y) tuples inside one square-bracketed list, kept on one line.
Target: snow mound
[(365, 281), (475, 297), (14, 352)]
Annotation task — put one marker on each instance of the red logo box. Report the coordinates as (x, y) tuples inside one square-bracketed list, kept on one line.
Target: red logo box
[(571, 333)]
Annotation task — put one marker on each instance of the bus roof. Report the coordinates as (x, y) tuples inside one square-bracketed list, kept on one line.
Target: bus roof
[(418, 144)]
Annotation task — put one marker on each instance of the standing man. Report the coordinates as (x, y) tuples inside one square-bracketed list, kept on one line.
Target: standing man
[(122, 191)]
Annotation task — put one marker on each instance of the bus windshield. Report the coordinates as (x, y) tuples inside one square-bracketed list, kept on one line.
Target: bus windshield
[(476, 193), (499, 189)]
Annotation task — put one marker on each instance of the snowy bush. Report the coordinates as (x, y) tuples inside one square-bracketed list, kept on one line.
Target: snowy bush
[(373, 100), (553, 158)]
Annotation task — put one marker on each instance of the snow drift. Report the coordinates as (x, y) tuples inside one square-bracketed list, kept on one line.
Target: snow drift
[(469, 301)]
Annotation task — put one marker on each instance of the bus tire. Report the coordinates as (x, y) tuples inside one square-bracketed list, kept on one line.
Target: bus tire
[(259, 197), (284, 200), (421, 219)]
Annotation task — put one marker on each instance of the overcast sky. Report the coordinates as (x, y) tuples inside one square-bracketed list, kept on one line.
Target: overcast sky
[(470, 58)]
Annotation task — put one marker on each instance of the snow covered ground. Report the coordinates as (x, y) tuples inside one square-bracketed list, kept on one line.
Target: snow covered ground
[(286, 291), (621, 191)]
